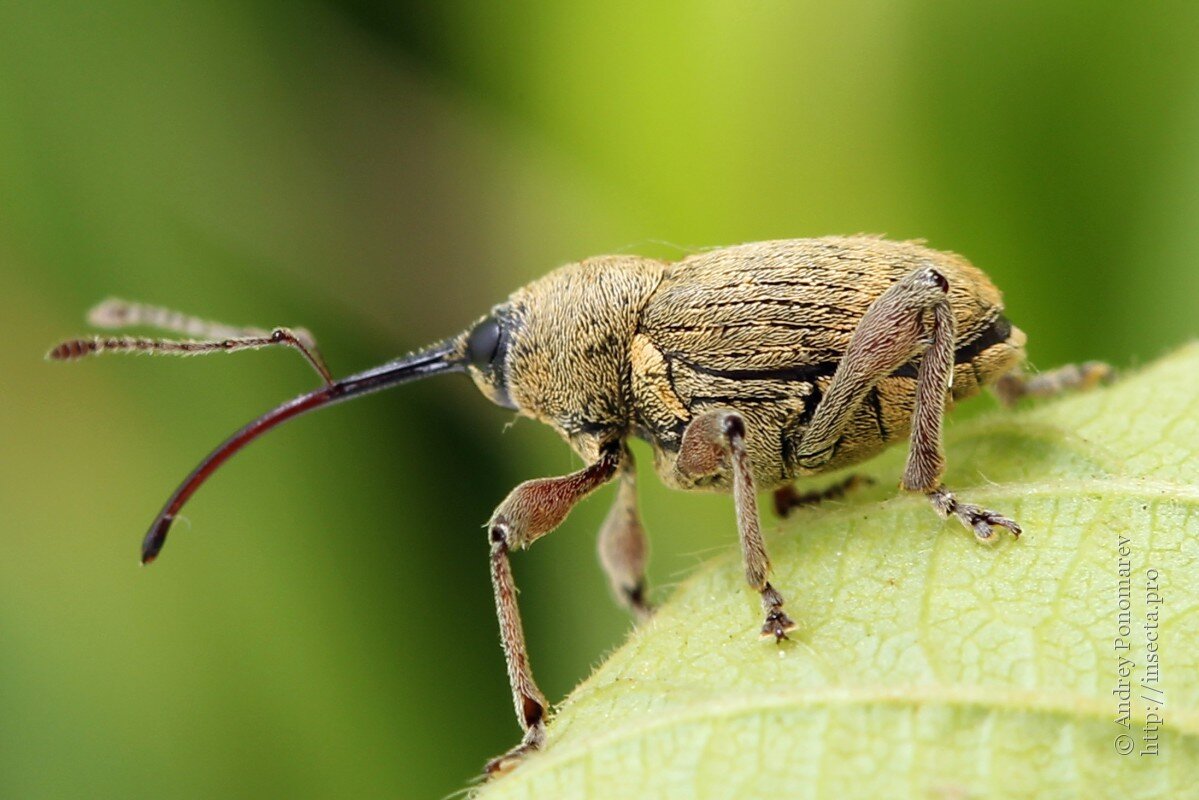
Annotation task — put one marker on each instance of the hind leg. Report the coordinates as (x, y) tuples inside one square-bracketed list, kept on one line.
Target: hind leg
[(926, 458), (1018, 383), (911, 318)]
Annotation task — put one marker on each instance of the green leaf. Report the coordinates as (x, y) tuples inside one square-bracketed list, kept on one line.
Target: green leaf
[(926, 664)]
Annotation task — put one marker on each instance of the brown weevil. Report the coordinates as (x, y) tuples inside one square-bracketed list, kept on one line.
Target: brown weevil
[(744, 368)]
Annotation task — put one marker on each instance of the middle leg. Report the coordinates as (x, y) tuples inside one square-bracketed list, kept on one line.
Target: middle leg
[(787, 499), (715, 441)]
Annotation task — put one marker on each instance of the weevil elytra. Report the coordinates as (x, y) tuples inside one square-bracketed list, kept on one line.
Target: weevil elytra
[(744, 368)]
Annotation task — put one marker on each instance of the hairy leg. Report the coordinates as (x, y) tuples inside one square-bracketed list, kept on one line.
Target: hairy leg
[(912, 317), (623, 548), (1017, 383), (530, 511), (712, 443), (890, 334), (787, 499), (926, 457)]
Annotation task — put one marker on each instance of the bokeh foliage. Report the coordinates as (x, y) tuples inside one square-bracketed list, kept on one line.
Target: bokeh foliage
[(382, 174)]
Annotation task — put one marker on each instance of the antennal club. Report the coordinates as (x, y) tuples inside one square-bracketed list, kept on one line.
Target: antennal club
[(210, 337)]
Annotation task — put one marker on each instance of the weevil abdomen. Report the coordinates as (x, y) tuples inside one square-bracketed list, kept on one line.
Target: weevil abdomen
[(760, 328)]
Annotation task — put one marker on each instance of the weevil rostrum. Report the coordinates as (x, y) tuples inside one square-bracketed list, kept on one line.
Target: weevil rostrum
[(744, 368)]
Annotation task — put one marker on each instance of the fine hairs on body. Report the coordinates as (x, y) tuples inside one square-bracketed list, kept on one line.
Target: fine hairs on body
[(743, 367)]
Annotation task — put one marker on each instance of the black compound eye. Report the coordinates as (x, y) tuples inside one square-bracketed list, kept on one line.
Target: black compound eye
[(483, 343)]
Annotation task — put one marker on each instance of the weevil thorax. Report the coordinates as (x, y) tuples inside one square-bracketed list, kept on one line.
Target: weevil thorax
[(558, 349)]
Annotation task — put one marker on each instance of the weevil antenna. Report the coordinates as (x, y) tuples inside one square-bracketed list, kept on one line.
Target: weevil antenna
[(433, 360)]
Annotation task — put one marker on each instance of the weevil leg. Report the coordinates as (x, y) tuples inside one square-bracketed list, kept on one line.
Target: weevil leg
[(1017, 383), (530, 511), (623, 547), (787, 499), (207, 336), (891, 333), (926, 457), (974, 518), (715, 441), (910, 318)]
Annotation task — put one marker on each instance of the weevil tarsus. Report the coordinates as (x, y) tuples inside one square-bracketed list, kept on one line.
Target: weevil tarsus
[(974, 518), (1071, 377)]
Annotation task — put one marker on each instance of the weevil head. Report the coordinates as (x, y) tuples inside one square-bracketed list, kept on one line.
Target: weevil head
[(484, 350), (558, 349)]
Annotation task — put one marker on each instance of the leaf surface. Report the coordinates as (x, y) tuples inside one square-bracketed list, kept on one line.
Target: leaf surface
[(926, 664)]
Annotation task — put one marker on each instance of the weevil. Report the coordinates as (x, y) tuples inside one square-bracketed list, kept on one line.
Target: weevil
[(744, 368)]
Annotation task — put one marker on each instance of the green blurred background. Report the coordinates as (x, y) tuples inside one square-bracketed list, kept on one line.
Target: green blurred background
[(383, 173)]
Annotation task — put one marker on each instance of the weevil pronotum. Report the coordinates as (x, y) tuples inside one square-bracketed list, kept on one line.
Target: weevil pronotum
[(744, 368)]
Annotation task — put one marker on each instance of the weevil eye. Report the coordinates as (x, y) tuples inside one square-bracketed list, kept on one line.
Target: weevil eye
[(483, 343), (486, 352)]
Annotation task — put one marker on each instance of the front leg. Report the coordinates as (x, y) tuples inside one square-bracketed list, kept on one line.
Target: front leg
[(623, 548), (530, 511), (713, 442)]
